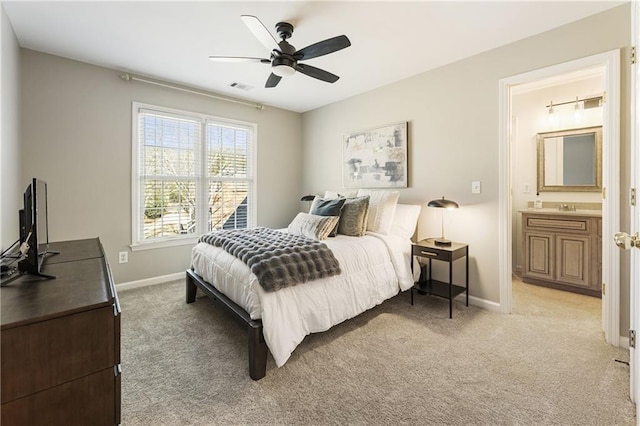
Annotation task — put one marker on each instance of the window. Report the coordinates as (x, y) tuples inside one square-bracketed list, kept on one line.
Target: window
[(192, 173)]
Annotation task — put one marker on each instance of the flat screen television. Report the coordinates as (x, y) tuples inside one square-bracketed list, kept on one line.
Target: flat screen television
[(34, 229)]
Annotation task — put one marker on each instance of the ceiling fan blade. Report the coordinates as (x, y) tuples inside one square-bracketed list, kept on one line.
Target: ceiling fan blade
[(273, 80), (317, 73), (323, 48), (260, 32), (238, 59)]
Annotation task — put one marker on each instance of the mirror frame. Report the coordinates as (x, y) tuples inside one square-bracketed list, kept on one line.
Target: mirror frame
[(597, 187)]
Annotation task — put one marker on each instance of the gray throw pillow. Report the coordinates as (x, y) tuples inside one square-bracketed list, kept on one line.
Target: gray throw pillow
[(353, 219), (323, 207)]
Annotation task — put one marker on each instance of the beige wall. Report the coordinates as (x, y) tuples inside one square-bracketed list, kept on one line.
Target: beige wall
[(10, 183), (76, 132), (453, 134)]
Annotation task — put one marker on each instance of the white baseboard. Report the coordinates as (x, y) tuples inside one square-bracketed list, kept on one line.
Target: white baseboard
[(624, 342), (481, 303), (149, 281)]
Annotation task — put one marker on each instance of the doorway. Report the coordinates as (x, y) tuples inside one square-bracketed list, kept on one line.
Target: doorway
[(570, 105), (609, 63)]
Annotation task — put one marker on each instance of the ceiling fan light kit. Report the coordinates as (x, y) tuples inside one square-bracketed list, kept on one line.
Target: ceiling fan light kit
[(284, 57), (283, 66)]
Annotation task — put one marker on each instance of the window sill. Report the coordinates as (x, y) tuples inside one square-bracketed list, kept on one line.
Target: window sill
[(163, 244)]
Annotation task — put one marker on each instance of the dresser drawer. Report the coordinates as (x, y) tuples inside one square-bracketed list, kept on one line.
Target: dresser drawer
[(89, 400), (43, 354)]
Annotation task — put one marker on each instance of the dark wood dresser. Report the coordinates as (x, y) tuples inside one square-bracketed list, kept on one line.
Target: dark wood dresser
[(60, 342)]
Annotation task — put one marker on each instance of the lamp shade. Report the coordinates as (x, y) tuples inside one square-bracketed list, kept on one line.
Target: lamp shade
[(443, 204)]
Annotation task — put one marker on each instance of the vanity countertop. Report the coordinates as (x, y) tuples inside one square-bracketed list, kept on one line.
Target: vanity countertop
[(556, 211)]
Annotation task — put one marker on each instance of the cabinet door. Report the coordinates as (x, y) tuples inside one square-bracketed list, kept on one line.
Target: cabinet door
[(538, 255), (572, 260)]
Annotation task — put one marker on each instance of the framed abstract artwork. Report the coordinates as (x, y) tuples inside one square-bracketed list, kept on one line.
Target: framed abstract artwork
[(375, 158)]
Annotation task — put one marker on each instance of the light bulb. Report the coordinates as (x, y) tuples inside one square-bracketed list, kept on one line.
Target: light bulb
[(551, 112), (577, 110)]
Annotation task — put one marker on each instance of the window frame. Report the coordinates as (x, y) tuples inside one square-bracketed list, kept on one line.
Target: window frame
[(201, 180)]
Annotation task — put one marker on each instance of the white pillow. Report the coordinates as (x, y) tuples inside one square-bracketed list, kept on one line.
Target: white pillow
[(312, 226), (382, 207), (405, 220)]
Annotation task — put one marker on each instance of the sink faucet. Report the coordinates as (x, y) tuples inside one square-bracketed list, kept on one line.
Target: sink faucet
[(567, 207)]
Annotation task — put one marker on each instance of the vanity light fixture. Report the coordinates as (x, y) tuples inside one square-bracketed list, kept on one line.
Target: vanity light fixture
[(585, 103), (442, 204)]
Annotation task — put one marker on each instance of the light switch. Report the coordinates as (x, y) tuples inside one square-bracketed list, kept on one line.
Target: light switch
[(475, 187), (526, 189)]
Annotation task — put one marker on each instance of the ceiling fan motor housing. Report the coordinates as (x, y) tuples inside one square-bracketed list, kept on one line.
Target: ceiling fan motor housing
[(285, 60), (282, 62)]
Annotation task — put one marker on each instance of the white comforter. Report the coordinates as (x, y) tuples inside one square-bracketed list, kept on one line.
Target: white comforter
[(374, 268)]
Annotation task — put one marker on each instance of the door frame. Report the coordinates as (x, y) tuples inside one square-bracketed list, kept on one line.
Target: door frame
[(610, 61), (634, 218)]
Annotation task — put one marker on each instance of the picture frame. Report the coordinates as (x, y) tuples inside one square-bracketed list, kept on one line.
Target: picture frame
[(376, 157)]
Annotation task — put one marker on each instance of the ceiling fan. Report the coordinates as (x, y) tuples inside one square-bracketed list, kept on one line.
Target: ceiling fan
[(284, 57)]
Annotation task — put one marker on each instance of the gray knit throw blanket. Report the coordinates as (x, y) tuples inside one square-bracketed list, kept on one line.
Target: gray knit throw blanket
[(277, 258)]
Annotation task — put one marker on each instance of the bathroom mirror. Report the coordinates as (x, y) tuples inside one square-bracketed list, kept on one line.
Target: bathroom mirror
[(570, 160)]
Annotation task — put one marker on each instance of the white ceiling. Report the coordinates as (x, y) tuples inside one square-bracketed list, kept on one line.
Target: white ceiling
[(390, 40)]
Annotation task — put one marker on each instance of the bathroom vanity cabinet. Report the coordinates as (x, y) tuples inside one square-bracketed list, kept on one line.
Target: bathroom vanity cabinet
[(563, 250)]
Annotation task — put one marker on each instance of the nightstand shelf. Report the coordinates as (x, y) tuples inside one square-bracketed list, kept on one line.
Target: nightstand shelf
[(438, 288), (429, 250)]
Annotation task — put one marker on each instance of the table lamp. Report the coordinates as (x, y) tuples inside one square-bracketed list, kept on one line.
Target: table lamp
[(442, 204), (308, 198)]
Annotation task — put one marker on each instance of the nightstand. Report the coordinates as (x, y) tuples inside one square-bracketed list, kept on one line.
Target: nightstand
[(429, 250)]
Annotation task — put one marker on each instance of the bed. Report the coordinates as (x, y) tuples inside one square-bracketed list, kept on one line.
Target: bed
[(375, 266)]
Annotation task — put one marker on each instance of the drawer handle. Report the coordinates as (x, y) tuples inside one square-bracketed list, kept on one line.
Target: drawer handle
[(427, 253)]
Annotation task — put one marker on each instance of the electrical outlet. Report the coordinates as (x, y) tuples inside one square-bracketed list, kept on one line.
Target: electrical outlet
[(123, 257), (475, 187)]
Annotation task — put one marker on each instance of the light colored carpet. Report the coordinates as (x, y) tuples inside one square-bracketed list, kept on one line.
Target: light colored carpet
[(545, 364)]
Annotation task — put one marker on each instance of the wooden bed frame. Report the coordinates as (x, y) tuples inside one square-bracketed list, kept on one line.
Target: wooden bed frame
[(257, 346)]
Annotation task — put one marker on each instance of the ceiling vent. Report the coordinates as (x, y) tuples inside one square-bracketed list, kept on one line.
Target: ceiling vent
[(241, 86)]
